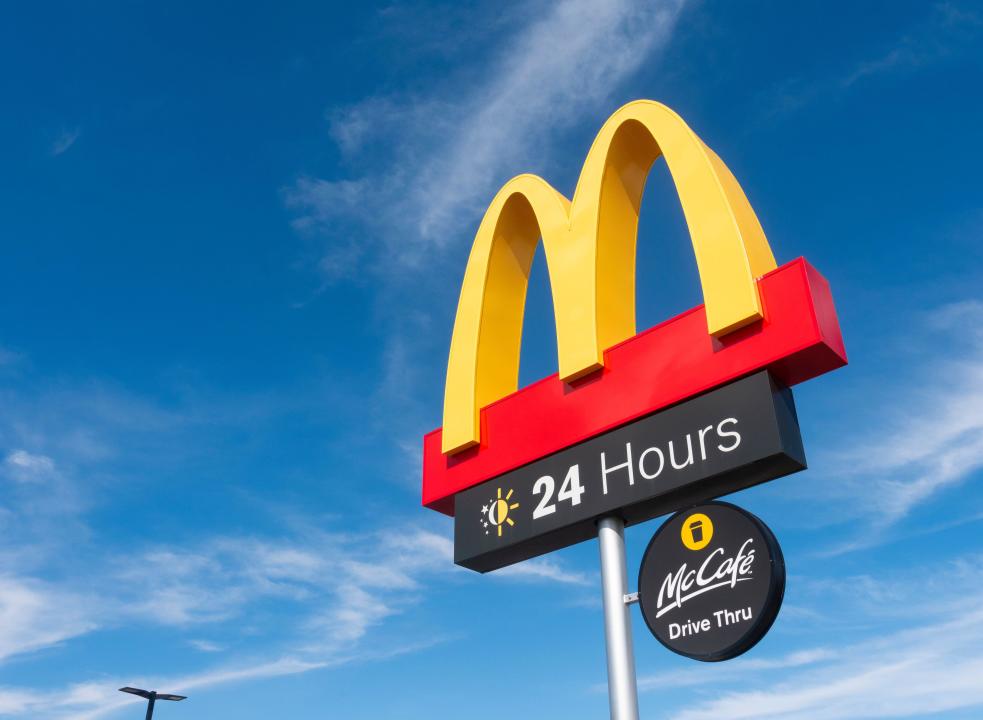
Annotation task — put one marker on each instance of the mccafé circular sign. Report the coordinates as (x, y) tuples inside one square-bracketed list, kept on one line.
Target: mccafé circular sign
[(711, 582)]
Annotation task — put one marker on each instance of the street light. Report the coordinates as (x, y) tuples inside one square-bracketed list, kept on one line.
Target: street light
[(152, 696)]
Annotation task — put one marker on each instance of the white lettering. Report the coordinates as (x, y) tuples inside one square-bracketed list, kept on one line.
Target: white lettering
[(703, 445), (626, 464), (678, 587), (677, 630), (641, 463), (689, 448), (728, 617), (733, 434)]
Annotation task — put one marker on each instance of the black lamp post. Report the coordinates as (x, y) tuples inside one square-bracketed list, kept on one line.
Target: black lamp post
[(152, 696)]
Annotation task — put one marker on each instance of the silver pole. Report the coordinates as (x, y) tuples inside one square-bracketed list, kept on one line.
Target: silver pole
[(622, 692)]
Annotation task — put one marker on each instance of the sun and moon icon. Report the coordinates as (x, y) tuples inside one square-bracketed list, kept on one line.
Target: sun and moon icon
[(496, 513)]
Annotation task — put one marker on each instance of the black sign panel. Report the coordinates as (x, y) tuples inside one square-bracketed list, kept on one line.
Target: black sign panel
[(730, 438), (711, 582)]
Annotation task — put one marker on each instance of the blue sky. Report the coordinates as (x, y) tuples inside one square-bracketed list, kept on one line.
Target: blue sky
[(233, 237)]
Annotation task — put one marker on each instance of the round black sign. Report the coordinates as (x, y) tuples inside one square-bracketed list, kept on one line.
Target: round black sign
[(711, 582)]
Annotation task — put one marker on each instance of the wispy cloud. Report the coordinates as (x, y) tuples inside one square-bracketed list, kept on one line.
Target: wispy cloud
[(206, 646), (99, 698), (933, 439), (438, 156), (60, 446), (339, 588), (948, 30), (544, 569), (429, 161), (64, 141), (26, 467), (944, 589), (931, 665), (67, 445), (349, 582), (912, 673), (35, 615), (732, 671), (95, 699)]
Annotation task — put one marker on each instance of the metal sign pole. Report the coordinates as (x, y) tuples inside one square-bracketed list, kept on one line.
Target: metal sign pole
[(622, 691)]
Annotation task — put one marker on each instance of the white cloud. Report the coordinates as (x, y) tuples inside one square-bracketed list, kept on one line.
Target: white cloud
[(429, 161), (912, 673), (929, 440), (174, 586), (206, 646), (64, 141), (354, 612), (333, 589), (349, 585), (340, 585), (912, 647), (448, 150), (544, 568), (68, 446), (731, 671), (942, 590), (94, 699), (26, 467), (339, 588), (946, 31), (35, 615), (99, 698)]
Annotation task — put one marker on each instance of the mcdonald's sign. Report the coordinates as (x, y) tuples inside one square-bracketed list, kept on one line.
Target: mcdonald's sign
[(757, 317)]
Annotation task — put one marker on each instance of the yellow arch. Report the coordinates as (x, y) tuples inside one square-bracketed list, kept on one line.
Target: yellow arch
[(590, 254)]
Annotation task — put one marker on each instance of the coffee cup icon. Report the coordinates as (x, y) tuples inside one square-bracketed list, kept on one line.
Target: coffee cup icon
[(696, 530)]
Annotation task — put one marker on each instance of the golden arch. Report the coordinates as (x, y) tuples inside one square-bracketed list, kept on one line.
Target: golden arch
[(590, 255)]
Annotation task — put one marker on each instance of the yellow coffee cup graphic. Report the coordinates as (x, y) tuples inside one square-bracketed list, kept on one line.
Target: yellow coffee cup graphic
[(697, 531)]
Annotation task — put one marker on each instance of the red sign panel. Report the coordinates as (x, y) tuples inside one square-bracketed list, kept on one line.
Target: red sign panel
[(797, 339)]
